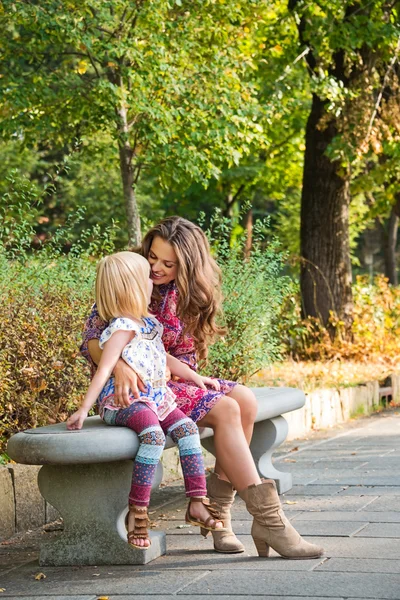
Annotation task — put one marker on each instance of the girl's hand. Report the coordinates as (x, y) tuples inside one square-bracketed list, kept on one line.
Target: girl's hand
[(76, 420), (126, 380), (201, 382)]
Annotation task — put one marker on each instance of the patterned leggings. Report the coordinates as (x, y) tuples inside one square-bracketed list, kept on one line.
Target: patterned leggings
[(141, 419)]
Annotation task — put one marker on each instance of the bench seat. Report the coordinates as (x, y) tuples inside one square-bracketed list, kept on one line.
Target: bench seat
[(86, 475)]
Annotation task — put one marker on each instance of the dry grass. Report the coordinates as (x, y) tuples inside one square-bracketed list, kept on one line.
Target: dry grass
[(311, 375)]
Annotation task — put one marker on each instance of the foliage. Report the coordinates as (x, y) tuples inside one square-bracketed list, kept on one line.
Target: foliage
[(375, 330), (253, 289), (44, 299), (146, 73)]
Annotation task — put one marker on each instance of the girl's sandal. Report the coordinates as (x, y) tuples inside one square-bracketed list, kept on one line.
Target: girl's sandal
[(140, 530), (205, 525)]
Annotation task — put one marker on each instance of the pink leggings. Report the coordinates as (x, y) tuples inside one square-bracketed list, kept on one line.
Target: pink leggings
[(141, 419)]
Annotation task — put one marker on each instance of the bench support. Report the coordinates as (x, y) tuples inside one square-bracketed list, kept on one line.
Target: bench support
[(267, 436), (92, 499)]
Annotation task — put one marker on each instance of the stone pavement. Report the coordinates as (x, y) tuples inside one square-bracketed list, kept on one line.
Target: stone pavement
[(346, 497)]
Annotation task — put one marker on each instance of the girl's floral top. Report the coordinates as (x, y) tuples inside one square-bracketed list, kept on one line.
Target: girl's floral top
[(147, 357)]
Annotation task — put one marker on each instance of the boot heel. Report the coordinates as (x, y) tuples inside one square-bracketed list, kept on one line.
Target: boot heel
[(204, 532), (262, 547)]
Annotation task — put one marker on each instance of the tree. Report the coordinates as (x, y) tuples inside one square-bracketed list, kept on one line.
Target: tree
[(167, 80), (350, 47)]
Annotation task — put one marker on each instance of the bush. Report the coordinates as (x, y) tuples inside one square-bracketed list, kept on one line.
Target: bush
[(375, 330), (44, 299), (253, 289)]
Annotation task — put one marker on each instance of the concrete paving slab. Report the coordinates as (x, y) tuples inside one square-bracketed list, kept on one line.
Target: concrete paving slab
[(331, 528), (314, 490), (380, 530), (224, 597), (339, 503), (365, 516), (357, 547), (360, 565), (98, 581), (91, 597), (214, 561), (15, 559), (355, 479), (371, 490), (383, 586), (385, 504)]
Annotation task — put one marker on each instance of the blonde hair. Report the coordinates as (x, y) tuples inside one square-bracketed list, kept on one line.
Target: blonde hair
[(198, 279), (122, 286)]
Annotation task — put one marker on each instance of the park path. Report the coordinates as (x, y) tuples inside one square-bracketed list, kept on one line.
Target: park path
[(346, 497)]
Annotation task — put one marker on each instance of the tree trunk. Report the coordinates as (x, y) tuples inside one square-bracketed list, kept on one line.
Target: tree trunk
[(128, 182), (129, 175), (390, 243), (324, 231), (249, 233)]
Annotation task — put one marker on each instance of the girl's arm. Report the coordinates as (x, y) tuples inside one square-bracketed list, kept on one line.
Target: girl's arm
[(109, 357), (126, 380), (184, 372)]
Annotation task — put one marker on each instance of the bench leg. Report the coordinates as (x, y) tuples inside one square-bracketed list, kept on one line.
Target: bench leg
[(92, 500), (267, 436)]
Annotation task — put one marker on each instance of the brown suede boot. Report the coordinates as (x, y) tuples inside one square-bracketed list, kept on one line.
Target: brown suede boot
[(270, 526), (222, 494)]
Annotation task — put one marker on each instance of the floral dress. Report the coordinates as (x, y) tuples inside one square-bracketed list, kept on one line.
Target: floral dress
[(192, 400), (146, 354)]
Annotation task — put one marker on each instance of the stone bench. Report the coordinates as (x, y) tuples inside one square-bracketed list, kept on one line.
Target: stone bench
[(86, 476)]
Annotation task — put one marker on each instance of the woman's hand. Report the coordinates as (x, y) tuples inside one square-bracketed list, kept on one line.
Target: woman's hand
[(201, 382), (76, 420), (127, 383)]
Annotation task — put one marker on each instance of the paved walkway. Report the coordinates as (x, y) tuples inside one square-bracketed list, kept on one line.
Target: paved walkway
[(346, 497)]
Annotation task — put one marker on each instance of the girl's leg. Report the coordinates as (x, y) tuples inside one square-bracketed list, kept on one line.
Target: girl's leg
[(141, 419), (185, 433), (248, 410)]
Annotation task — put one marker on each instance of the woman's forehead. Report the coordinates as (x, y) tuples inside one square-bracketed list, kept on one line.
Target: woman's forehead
[(163, 250)]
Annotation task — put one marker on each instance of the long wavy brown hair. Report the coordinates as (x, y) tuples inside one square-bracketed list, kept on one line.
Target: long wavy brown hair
[(198, 279)]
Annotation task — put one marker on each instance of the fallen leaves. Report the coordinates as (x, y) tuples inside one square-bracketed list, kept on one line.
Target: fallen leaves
[(40, 576), (290, 502)]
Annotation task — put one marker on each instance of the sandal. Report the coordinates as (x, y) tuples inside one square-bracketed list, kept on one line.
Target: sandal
[(205, 525), (140, 530)]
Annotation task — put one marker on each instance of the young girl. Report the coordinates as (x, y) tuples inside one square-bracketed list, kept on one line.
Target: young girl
[(123, 292)]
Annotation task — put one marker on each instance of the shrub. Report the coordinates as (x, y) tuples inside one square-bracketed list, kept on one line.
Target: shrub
[(253, 289), (375, 329), (44, 298)]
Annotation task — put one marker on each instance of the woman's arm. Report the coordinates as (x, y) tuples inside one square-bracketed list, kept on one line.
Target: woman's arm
[(184, 372), (94, 327), (109, 357)]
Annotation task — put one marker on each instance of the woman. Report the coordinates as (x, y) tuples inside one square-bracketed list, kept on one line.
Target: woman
[(188, 283)]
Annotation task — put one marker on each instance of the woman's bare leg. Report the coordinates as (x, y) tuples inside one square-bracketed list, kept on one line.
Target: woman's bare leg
[(248, 410), (231, 446)]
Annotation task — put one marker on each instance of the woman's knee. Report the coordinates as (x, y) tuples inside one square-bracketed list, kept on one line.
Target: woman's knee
[(226, 411), (247, 402)]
